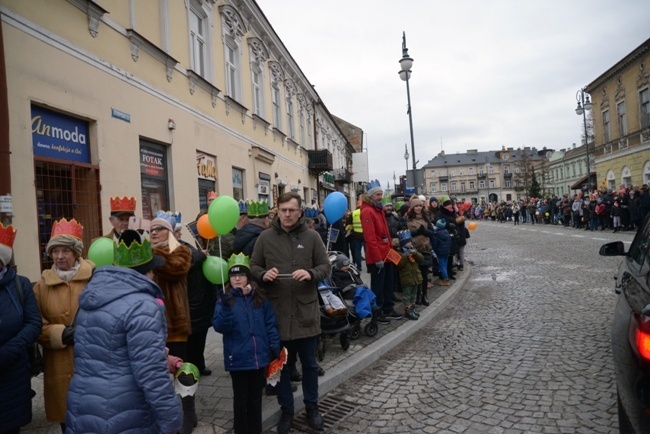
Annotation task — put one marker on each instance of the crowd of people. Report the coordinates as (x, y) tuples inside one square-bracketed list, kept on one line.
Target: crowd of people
[(601, 209), (123, 344)]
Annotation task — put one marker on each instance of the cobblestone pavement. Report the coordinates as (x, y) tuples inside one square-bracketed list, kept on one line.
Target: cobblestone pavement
[(524, 347)]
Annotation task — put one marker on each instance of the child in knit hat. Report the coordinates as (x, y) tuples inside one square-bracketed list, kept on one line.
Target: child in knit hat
[(410, 276), (442, 247)]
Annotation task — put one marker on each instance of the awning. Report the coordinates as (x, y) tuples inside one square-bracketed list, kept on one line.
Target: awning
[(578, 185)]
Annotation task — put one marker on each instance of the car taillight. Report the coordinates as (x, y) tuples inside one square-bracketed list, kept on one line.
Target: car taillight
[(642, 336)]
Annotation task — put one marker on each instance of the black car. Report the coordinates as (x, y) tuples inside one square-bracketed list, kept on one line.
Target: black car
[(631, 331)]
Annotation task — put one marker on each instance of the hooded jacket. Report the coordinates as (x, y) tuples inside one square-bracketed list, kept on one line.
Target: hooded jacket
[(295, 303), (375, 231), (245, 239), (121, 381), (21, 325), (250, 334)]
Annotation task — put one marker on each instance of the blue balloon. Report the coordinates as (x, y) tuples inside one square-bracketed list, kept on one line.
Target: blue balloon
[(334, 206)]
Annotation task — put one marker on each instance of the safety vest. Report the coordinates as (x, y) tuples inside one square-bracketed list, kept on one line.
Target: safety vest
[(356, 221)]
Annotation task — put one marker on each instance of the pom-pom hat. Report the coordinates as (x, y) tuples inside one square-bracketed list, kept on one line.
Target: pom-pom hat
[(404, 237)]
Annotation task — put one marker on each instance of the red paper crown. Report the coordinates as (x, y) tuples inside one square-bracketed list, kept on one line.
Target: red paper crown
[(123, 204), (7, 235), (212, 195), (65, 227)]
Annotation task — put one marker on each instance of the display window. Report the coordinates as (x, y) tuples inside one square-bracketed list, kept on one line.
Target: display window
[(153, 178)]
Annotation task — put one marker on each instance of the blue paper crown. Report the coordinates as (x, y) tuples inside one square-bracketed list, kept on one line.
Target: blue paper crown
[(404, 235), (168, 216), (311, 212), (243, 207), (177, 217), (373, 184)]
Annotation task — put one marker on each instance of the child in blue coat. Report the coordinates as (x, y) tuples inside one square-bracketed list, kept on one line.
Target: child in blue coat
[(250, 342), (442, 248)]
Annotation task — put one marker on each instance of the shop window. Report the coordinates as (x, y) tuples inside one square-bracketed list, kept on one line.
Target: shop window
[(205, 186), (237, 184), (153, 177), (67, 190)]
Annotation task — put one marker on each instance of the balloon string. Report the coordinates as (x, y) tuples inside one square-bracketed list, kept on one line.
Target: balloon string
[(223, 284)]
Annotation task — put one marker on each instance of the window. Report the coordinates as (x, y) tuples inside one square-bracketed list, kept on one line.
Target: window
[(472, 185), (197, 42), (433, 173), (462, 187), (491, 183), (606, 131), (232, 74), (452, 172), (153, 178), (622, 121), (237, 184), (481, 184), (258, 95), (453, 186), (443, 186), (644, 109), (480, 171), (506, 183), (291, 131), (516, 168), (461, 172), (302, 128), (471, 170), (275, 95), (490, 169), (433, 187), (506, 168)]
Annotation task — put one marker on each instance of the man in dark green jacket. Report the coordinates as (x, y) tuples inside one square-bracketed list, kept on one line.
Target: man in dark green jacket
[(290, 259)]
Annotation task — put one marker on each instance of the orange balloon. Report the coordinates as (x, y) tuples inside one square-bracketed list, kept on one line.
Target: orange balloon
[(204, 228), (471, 226)]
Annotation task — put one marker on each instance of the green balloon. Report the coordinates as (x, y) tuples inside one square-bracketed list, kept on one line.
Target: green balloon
[(101, 252), (223, 214), (215, 270)]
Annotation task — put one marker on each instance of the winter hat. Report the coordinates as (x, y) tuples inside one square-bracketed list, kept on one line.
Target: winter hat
[(239, 264), (341, 261), (441, 224), (7, 237), (67, 233), (403, 209), (433, 199), (415, 201), (404, 237), (373, 187)]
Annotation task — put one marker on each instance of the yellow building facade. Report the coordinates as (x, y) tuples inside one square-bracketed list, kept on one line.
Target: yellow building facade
[(621, 114), (162, 100)]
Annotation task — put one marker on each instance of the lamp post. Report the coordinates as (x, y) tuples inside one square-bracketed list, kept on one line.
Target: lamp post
[(584, 104), (406, 63)]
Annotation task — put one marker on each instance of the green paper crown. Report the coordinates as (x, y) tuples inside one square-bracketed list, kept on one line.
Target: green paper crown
[(134, 255), (240, 259), (258, 209), (386, 200)]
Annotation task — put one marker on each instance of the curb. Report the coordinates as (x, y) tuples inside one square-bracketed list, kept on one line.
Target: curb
[(370, 354)]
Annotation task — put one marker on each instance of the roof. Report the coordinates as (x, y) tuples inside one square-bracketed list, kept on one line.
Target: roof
[(472, 157)]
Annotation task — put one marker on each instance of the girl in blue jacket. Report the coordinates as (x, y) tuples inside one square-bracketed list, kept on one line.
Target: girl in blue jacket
[(250, 342)]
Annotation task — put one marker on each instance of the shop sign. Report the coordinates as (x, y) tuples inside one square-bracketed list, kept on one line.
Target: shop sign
[(263, 187), (5, 204), (206, 166), (58, 136), (152, 162)]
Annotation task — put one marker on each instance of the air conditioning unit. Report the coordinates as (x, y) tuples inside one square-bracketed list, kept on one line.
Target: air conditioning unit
[(281, 182)]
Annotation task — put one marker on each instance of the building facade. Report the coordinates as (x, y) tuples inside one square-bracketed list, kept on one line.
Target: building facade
[(621, 113), (162, 100)]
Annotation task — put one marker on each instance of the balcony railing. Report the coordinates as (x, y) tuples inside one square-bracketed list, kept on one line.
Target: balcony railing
[(482, 175), (319, 161), (443, 178), (507, 175), (343, 176)]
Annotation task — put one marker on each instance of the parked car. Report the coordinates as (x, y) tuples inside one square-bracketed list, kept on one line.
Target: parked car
[(630, 335)]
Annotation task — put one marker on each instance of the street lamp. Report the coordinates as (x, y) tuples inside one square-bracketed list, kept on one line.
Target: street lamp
[(405, 74), (585, 104)]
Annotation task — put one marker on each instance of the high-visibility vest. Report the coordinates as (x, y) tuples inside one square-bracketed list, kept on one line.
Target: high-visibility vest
[(356, 221)]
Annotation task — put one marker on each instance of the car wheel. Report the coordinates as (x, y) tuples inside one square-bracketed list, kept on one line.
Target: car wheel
[(624, 425)]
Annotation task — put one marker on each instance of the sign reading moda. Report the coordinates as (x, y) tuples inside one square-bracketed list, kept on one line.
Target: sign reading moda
[(58, 136)]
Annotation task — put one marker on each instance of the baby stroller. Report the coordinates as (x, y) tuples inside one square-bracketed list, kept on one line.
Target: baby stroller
[(334, 315), (358, 298)]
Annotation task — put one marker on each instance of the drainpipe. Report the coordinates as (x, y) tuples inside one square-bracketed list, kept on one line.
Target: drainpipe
[(5, 173), (313, 120)]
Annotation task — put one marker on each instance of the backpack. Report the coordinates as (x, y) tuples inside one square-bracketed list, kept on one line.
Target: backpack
[(34, 351)]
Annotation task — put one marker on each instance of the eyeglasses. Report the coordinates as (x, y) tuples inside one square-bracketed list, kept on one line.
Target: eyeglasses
[(158, 229), (288, 210)]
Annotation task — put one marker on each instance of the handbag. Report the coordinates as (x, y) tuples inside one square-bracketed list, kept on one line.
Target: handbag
[(34, 350)]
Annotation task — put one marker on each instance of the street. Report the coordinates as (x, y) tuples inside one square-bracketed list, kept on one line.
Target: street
[(524, 347)]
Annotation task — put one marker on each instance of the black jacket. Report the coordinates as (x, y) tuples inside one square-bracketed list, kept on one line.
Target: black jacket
[(201, 293), (245, 239)]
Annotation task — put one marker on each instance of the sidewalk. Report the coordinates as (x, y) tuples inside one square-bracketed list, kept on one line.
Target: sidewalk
[(214, 396)]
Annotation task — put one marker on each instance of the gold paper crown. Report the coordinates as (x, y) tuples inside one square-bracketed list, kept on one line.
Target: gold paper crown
[(122, 204), (67, 227), (258, 209), (239, 260), (138, 253), (7, 235)]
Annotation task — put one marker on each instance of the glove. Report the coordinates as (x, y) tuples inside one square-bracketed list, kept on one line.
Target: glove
[(68, 335), (227, 299), (379, 264), (428, 232), (275, 353)]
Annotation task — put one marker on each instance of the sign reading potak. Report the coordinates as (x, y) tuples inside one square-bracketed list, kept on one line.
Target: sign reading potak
[(152, 162), (58, 136)]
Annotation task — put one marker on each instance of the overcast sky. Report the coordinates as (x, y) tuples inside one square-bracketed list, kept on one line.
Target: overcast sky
[(486, 74)]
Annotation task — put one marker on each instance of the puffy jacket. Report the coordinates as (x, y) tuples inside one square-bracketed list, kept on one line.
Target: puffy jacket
[(409, 269), (442, 243), (295, 303), (245, 239), (21, 325), (250, 333), (121, 381), (375, 231)]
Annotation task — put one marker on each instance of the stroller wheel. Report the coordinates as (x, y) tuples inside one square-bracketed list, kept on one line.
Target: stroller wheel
[(345, 341), (321, 348), (355, 331), (371, 329)]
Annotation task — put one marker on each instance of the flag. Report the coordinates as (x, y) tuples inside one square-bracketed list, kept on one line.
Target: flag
[(393, 256)]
